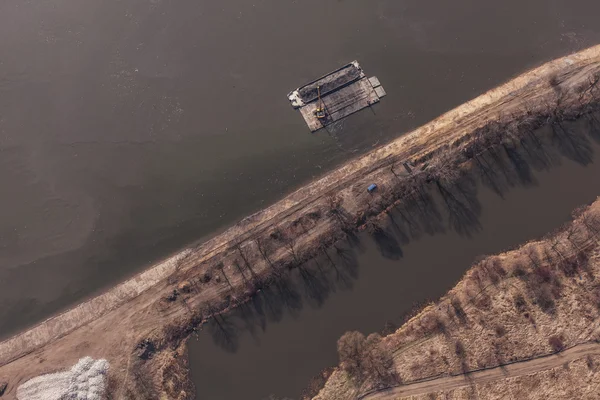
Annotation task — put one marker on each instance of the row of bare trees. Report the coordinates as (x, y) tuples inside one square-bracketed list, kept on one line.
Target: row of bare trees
[(443, 171), (502, 150)]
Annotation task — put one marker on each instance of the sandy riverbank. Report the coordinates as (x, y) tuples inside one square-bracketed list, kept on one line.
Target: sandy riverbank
[(156, 310)]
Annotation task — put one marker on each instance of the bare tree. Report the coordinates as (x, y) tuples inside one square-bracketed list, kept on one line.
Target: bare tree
[(554, 243), (532, 254), (351, 348), (557, 343), (244, 256), (221, 268), (416, 184), (572, 231), (212, 310), (334, 203), (300, 222), (394, 172), (591, 86), (459, 311), (240, 270), (263, 249), (366, 359), (290, 244), (493, 268), (186, 305), (224, 332), (379, 361), (591, 222), (277, 235), (374, 227)]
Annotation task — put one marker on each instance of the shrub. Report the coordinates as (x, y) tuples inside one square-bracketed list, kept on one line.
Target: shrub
[(557, 343), (351, 348), (543, 274), (569, 266), (459, 310), (366, 359), (459, 349), (520, 272), (520, 303), (543, 297), (500, 330), (206, 277)]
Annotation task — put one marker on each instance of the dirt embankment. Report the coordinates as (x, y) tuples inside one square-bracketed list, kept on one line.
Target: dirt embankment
[(522, 305), (577, 379), (489, 376), (139, 326)]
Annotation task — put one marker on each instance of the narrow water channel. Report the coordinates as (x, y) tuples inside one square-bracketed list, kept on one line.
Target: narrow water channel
[(266, 353)]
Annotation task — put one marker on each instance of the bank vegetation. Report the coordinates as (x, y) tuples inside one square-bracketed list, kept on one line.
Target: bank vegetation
[(539, 299)]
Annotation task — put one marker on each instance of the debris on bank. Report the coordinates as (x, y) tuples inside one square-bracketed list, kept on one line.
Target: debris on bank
[(86, 380), (336, 96)]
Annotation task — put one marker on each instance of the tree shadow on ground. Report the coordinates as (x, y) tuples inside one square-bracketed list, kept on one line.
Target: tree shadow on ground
[(433, 208), (462, 206), (286, 294), (385, 241), (591, 126), (224, 331), (572, 142)]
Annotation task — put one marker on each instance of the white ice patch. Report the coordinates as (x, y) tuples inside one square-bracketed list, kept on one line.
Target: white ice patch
[(295, 99), (86, 380)]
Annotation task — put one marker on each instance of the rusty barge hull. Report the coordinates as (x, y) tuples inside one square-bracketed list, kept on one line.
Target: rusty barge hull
[(343, 92)]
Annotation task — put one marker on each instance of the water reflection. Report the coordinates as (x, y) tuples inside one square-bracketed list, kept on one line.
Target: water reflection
[(445, 202), (310, 285), (310, 317)]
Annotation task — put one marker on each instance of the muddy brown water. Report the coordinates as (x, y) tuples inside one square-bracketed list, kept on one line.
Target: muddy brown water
[(130, 129), (272, 347)]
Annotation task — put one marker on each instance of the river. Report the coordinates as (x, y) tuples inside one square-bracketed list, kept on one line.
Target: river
[(130, 129)]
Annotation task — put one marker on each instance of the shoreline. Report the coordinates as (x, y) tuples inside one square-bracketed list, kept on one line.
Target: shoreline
[(139, 302), (478, 316)]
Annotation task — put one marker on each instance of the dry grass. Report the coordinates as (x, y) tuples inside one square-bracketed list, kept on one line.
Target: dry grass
[(579, 379), (532, 301)]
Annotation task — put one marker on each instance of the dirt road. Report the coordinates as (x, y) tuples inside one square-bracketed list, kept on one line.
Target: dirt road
[(489, 375)]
